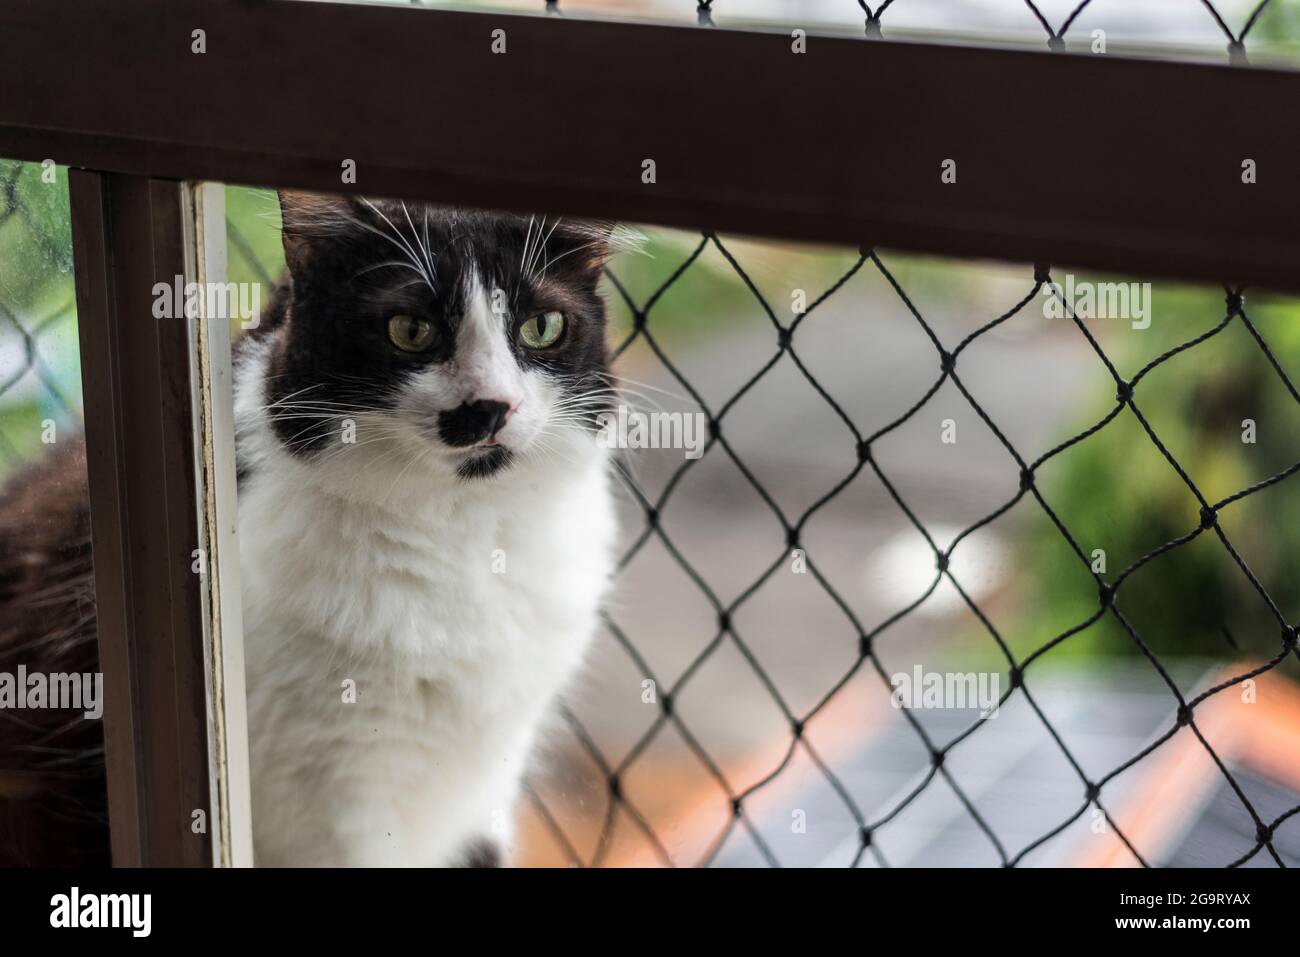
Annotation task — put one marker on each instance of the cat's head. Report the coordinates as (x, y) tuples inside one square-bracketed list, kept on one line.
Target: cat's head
[(474, 340)]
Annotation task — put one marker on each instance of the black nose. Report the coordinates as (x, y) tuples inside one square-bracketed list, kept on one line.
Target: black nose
[(472, 422)]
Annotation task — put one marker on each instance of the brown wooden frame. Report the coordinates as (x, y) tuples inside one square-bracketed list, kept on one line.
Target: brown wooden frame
[(841, 144), (128, 235)]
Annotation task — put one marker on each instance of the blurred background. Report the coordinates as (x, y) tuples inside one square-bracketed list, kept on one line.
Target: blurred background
[(40, 375), (1181, 28), (728, 715)]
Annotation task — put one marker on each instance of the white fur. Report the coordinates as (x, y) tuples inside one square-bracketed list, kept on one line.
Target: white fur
[(374, 564)]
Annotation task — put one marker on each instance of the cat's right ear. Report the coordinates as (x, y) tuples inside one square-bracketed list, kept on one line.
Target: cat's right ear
[(306, 220)]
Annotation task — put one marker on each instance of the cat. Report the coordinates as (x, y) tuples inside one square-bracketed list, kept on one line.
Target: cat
[(425, 520), (53, 800)]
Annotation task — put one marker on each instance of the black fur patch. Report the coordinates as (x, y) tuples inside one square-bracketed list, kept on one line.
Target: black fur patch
[(53, 793), (472, 422), (482, 464)]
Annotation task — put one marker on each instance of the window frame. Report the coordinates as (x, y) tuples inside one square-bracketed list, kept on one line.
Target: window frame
[(841, 144)]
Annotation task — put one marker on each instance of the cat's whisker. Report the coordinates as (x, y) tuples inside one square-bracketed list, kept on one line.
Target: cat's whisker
[(541, 248), (610, 403), (311, 418), (623, 380), (377, 464), (426, 232), (620, 384), (345, 448), (320, 405), (390, 449), (551, 450), (603, 397), (569, 252), (400, 242), (523, 258), (596, 404), (390, 264), (358, 419), (299, 392), (423, 246)]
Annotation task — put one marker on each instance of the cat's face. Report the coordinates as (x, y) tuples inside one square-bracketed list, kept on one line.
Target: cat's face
[(477, 339)]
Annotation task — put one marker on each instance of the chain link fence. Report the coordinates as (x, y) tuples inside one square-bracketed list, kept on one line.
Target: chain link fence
[(1193, 22), (40, 385), (1113, 592), (1056, 35)]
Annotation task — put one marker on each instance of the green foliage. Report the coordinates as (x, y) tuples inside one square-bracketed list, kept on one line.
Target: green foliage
[(35, 237), (39, 367), (254, 251), (1116, 491)]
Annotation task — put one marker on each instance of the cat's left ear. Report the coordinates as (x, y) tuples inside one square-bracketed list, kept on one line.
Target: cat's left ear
[(306, 220), (599, 241)]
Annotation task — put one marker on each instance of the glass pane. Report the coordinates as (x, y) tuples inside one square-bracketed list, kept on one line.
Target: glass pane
[(835, 554), (52, 801)]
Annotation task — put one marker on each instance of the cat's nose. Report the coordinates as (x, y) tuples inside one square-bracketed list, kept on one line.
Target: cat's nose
[(494, 414), (472, 422)]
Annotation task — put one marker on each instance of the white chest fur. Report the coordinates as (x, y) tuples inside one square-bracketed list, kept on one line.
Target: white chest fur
[(403, 647)]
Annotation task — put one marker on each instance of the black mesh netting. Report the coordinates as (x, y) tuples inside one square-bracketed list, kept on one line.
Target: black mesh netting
[(787, 533)]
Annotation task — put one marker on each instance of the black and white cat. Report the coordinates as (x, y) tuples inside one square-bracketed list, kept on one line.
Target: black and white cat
[(425, 522)]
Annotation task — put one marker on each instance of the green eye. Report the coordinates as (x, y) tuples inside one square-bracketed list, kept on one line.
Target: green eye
[(542, 330), (411, 334)]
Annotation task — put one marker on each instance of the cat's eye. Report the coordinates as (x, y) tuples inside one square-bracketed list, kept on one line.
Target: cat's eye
[(411, 334), (542, 330)]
